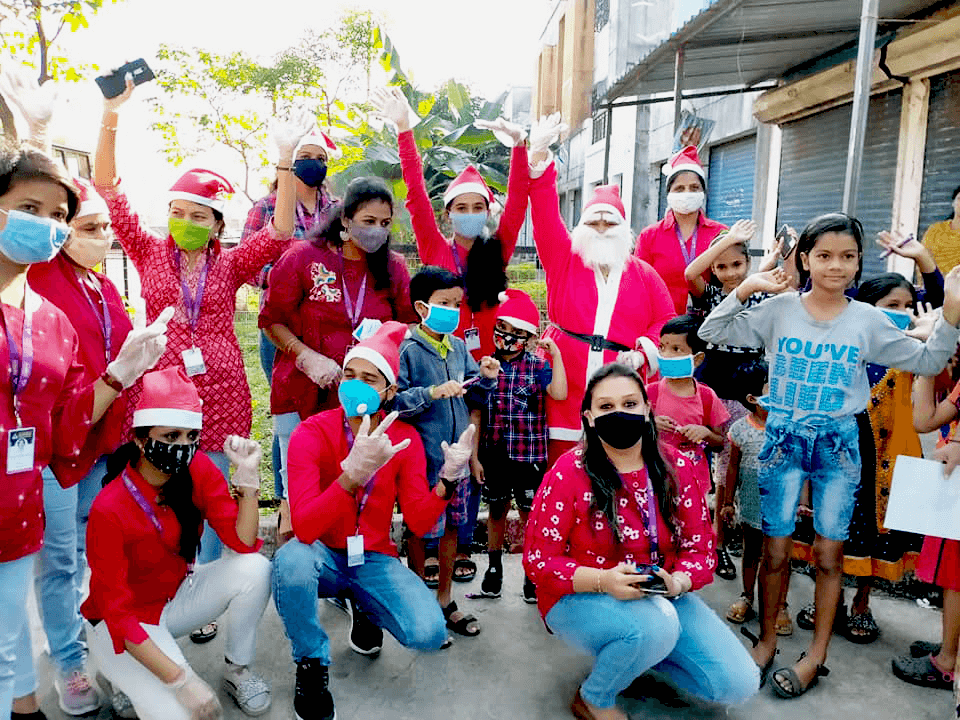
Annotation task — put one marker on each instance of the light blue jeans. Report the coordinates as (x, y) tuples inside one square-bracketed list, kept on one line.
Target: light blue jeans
[(393, 597), (17, 676), (682, 638), (268, 354), (210, 545), (283, 427)]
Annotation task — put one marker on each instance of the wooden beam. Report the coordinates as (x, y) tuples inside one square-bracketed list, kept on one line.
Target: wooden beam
[(908, 181)]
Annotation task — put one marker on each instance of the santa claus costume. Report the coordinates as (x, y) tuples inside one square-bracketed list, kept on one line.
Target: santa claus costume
[(665, 245), (600, 299)]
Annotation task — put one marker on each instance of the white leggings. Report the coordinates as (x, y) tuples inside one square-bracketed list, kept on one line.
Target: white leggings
[(238, 584)]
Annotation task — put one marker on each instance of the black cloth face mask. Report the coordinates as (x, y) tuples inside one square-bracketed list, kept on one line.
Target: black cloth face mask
[(169, 458), (311, 171), (621, 430)]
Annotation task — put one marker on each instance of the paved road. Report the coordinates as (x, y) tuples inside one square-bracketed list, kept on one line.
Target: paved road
[(515, 669)]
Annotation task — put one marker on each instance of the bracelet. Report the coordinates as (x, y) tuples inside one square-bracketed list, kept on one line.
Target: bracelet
[(599, 586), (285, 168), (108, 127), (112, 382)]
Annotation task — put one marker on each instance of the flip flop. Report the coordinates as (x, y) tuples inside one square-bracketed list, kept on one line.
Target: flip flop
[(464, 564), (431, 573), (796, 687), (461, 626)]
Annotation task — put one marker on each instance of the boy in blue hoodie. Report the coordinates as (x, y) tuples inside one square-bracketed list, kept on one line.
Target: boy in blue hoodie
[(439, 385)]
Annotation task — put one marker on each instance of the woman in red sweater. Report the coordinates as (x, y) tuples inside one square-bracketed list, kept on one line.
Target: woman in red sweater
[(142, 542), (618, 537)]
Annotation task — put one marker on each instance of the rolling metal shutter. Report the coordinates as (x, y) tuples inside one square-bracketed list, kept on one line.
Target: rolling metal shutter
[(730, 185), (813, 161), (941, 165)]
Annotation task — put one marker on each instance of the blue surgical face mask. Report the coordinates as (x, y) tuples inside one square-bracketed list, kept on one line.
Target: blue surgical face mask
[(358, 398), (468, 225), (28, 239), (901, 318), (442, 319), (677, 367)]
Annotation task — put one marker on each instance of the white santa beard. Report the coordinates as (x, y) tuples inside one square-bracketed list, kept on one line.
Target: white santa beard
[(609, 249)]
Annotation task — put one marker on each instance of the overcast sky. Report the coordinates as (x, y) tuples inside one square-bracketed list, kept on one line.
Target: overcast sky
[(491, 46)]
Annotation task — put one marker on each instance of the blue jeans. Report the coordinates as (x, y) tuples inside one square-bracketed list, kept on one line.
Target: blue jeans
[(268, 353), (17, 675), (681, 638), (829, 455), (466, 530), (391, 595), (210, 545), (283, 427), (59, 575)]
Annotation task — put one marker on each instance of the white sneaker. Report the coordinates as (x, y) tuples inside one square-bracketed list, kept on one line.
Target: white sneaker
[(76, 693)]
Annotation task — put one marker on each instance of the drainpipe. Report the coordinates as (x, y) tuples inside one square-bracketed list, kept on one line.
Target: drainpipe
[(861, 103), (678, 86)]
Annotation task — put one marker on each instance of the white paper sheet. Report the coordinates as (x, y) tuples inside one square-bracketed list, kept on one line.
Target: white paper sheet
[(922, 500)]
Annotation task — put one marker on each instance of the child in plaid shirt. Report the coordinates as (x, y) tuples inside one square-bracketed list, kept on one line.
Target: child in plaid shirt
[(513, 441)]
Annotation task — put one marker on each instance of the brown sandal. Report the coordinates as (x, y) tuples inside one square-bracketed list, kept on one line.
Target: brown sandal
[(784, 623), (741, 611)]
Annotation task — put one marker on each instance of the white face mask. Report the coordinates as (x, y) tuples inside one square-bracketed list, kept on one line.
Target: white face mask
[(685, 202)]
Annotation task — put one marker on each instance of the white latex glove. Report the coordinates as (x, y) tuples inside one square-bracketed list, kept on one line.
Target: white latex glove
[(35, 102), (371, 450), (392, 105), (244, 455), (141, 350), (319, 368), (508, 133), (456, 457), (645, 355), (287, 133), (196, 696), (545, 132)]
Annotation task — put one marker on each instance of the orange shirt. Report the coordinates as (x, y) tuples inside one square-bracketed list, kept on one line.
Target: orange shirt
[(943, 242)]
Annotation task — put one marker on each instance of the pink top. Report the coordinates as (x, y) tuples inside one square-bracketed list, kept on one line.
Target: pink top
[(701, 408), (435, 249), (223, 387), (134, 569), (305, 293), (57, 401), (658, 245), (565, 532)]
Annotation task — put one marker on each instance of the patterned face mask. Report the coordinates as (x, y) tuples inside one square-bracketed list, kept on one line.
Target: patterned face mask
[(508, 342), (170, 458)]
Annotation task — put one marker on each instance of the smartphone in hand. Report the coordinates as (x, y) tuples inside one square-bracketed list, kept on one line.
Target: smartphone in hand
[(786, 237), (654, 584), (115, 83)]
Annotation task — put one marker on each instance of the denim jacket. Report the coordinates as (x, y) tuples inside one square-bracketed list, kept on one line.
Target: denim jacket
[(437, 420)]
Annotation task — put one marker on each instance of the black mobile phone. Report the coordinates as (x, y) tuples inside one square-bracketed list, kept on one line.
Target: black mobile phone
[(115, 83), (786, 236), (655, 584)]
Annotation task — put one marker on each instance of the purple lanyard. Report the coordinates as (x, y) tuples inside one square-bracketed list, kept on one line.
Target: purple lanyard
[(368, 488), (689, 253), (456, 258), (648, 512), (105, 323), (192, 304), (353, 311), (302, 216), (20, 367), (148, 510)]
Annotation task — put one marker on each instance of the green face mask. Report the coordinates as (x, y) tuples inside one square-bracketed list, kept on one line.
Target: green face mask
[(188, 235)]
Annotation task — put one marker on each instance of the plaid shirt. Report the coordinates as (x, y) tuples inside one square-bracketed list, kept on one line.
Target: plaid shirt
[(516, 418)]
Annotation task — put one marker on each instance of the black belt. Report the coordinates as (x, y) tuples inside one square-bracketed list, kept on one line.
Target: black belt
[(596, 342)]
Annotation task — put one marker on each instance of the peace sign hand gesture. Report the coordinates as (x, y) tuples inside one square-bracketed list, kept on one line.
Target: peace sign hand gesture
[(370, 452)]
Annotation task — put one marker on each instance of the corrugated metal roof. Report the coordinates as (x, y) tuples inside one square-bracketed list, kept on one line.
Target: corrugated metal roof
[(744, 42)]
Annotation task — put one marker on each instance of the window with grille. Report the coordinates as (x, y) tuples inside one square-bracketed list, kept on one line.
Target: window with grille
[(601, 14), (599, 126)]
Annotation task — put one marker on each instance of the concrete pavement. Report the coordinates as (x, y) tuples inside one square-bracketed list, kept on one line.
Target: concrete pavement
[(515, 669)]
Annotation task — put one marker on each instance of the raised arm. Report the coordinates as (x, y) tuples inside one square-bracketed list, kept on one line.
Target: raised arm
[(515, 210), (549, 231), (741, 232)]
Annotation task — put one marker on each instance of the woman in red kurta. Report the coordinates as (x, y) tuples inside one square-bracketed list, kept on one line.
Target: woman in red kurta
[(47, 404), (187, 269), (618, 537), (685, 231)]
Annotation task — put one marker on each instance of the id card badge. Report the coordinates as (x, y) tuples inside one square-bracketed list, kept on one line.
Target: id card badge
[(354, 550), (193, 361), (471, 338), (21, 443)]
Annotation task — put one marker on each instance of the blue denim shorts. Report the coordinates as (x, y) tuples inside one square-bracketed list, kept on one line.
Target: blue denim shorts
[(829, 456), (456, 514)]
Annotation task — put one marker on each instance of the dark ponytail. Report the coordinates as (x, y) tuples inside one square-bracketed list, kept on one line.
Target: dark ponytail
[(176, 493), (604, 478), (485, 276)]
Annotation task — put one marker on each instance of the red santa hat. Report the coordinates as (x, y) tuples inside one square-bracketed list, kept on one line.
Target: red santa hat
[(169, 399), (319, 138), (90, 201), (469, 181), (382, 349), (605, 200), (519, 310), (202, 187), (686, 160)]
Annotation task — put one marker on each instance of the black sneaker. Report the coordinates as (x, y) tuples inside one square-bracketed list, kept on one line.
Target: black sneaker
[(492, 583), (529, 592), (366, 638), (312, 699)]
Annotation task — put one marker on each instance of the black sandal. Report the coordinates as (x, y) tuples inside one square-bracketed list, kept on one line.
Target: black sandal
[(807, 616), (765, 669), (790, 675), (461, 626), (431, 573), (862, 628), (725, 567), (205, 634), (464, 564)]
